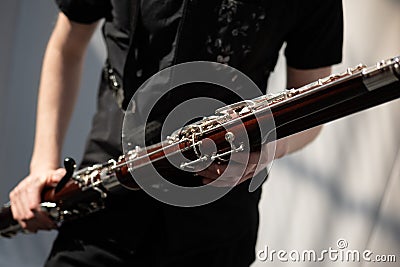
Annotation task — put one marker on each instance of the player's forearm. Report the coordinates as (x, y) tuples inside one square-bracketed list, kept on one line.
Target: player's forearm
[(295, 79), (61, 72), (57, 93), (296, 142)]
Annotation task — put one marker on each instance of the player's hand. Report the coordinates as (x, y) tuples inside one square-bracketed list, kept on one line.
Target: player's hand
[(240, 167), (25, 199)]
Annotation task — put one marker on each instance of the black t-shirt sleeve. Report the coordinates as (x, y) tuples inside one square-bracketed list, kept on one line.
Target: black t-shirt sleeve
[(85, 11), (316, 39)]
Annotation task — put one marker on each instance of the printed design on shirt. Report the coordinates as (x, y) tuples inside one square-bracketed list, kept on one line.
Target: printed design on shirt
[(237, 26)]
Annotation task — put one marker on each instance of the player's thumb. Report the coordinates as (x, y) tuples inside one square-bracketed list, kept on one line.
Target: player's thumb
[(56, 175)]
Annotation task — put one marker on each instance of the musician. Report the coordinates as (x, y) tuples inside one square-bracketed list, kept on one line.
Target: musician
[(143, 37)]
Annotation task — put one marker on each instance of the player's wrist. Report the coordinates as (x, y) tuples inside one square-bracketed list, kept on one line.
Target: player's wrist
[(282, 148), (43, 165)]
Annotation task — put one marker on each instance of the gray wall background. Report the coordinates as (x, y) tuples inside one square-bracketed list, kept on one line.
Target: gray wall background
[(25, 27), (345, 185)]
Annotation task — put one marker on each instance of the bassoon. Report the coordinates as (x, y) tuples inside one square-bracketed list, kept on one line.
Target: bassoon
[(82, 192)]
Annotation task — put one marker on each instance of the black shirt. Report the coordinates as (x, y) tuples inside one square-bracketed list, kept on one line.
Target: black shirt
[(245, 34)]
